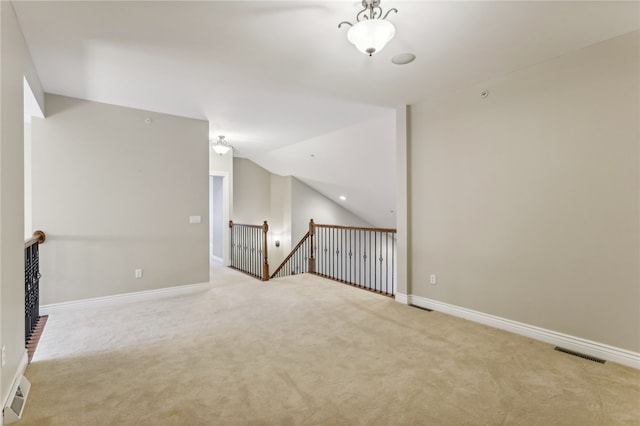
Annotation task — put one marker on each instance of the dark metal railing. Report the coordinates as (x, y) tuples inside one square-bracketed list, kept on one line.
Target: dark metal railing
[(249, 249), (32, 282), (297, 262), (363, 257)]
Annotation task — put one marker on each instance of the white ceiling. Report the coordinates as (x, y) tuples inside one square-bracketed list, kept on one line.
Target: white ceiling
[(272, 74)]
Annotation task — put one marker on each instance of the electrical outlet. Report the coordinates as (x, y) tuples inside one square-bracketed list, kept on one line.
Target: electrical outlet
[(4, 356), (432, 279), (138, 273)]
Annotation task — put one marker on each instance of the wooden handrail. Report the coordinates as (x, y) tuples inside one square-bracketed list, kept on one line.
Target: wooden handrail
[(231, 225), (290, 254), (39, 237), (356, 228)]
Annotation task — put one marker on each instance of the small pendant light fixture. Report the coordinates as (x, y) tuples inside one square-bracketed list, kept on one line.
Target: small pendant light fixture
[(371, 32), (220, 147)]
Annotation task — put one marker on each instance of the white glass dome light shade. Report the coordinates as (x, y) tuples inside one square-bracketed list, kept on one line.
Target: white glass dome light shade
[(371, 35), (221, 149)]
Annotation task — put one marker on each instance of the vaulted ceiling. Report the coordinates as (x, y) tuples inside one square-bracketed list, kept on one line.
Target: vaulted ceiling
[(270, 75)]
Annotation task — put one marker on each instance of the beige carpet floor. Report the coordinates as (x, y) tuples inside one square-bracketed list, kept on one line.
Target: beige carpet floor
[(308, 351)]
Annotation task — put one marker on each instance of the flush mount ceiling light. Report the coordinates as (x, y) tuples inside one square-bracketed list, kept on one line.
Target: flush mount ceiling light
[(221, 147), (371, 32)]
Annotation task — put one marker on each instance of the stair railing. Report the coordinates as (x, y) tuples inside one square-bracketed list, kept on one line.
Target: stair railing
[(297, 262), (249, 249), (362, 257), (32, 283), (359, 256)]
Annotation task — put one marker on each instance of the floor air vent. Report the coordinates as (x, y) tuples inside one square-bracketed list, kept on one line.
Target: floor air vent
[(578, 354), (15, 406), (420, 307)]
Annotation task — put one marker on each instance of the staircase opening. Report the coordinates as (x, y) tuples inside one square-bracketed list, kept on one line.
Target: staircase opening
[(362, 257)]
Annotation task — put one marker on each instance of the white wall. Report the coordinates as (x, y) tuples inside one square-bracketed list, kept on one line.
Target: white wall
[(280, 220), (31, 109), (28, 208), (526, 204), (15, 65), (306, 204), (251, 192), (113, 194), (252, 201), (403, 237)]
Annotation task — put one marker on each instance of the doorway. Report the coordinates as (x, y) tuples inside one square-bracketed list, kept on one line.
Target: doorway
[(219, 214), (216, 218)]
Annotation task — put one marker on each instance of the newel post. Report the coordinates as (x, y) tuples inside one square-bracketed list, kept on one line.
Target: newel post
[(40, 236), (265, 265), (312, 259)]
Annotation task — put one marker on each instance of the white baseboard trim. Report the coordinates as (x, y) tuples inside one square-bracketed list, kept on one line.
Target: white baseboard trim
[(402, 298), (138, 296), (216, 259), (22, 366), (588, 347)]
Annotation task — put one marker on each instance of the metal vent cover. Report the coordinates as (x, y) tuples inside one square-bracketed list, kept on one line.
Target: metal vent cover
[(578, 354), (420, 307)]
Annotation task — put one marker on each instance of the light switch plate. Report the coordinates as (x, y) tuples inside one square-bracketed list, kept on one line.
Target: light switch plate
[(195, 219)]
